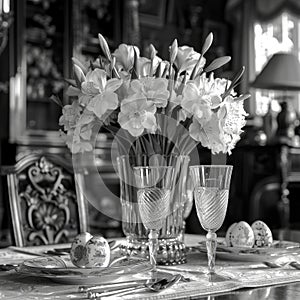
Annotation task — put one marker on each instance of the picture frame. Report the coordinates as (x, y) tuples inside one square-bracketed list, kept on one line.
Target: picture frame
[(152, 13)]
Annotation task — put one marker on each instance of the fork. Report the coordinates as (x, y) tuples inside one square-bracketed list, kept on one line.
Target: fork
[(273, 265)]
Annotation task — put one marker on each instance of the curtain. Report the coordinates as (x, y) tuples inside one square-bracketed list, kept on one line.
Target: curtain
[(242, 14), (266, 10)]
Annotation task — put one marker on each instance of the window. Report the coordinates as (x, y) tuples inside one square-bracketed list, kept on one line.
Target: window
[(282, 34)]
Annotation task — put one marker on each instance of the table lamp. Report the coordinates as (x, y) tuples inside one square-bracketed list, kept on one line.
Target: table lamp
[(281, 73)]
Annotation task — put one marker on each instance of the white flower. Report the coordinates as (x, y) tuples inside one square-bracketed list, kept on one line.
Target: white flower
[(154, 89), (209, 134), (101, 91), (124, 55), (137, 114), (187, 58), (70, 115), (73, 141), (232, 115), (146, 87), (196, 103)]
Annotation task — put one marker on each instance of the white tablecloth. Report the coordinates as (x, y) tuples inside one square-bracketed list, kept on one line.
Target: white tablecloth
[(242, 274)]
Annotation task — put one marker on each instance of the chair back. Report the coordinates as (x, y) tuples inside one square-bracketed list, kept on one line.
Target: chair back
[(43, 203)]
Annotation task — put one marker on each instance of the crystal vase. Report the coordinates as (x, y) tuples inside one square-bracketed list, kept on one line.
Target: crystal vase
[(171, 248)]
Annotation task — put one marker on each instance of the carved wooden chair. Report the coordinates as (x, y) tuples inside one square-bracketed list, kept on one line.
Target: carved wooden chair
[(43, 202)]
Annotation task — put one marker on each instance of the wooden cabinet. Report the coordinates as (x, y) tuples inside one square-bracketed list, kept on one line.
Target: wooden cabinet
[(40, 41), (44, 37)]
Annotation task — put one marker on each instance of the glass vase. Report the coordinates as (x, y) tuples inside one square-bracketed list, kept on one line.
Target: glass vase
[(171, 248)]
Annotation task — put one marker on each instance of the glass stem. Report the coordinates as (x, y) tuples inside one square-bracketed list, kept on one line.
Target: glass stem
[(153, 242), (211, 245)]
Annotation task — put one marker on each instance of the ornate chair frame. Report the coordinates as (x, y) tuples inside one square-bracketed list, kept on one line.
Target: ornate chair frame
[(12, 172)]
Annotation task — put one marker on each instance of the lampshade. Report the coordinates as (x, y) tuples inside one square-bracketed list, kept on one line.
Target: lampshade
[(282, 72)]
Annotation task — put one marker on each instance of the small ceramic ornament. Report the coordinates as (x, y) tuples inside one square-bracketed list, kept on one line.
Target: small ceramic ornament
[(242, 235), (262, 234), (97, 252), (89, 251), (228, 236), (77, 253)]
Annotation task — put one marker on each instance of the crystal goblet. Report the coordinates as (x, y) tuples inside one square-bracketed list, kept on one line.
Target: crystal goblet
[(154, 189), (211, 193)]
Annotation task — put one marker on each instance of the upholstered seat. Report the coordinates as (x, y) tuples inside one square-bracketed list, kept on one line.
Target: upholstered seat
[(43, 203)]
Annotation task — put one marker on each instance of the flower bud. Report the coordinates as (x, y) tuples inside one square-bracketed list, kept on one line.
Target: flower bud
[(104, 46), (152, 51), (173, 51)]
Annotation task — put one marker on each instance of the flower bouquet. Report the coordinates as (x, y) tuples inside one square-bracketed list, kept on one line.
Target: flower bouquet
[(157, 110)]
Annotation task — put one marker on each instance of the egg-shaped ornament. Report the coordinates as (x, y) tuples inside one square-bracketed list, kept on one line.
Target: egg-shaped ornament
[(97, 252), (242, 235), (262, 234), (78, 250), (228, 235)]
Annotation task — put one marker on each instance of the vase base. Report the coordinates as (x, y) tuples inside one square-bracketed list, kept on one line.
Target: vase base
[(171, 251)]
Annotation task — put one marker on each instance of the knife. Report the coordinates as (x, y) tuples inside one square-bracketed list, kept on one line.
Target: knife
[(25, 251)]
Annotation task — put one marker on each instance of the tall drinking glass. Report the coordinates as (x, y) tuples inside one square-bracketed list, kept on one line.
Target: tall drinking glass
[(154, 189), (211, 192)]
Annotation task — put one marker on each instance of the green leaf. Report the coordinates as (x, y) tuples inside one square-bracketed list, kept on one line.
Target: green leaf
[(56, 100), (70, 81), (158, 72), (238, 75), (165, 72), (182, 84), (195, 69), (116, 73), (92, 66), (72, 91), (199, 73), (207, 43), (217, 63), (234, 82), (242, 97), (135, 71)]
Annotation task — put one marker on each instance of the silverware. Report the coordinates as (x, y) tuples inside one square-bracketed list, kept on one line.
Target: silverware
[(110, 286), (295, 265), (25, 251), (8, 267), (154, 286), (172, 269), (56, 252), (274, 265)]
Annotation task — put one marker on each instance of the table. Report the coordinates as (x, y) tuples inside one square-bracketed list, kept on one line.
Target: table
[(15, 286)]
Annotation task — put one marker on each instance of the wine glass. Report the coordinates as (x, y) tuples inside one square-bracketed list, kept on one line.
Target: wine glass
[(154, 189), (211, 192)]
